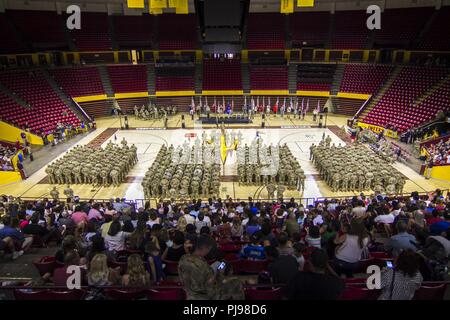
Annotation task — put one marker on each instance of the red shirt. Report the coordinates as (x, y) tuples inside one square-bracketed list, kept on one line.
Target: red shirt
[(60, 276), (79, 217), (432, 220)]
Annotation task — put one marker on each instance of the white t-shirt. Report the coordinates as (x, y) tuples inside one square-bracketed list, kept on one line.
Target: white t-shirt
[(189, 219), (350, 251), (359, 212), (385, 218), (317, 221), (117, 242)]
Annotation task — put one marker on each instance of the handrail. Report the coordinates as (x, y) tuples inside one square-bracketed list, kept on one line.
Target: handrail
[(163, 286), (362, 107), (140, 203), (81, 109)]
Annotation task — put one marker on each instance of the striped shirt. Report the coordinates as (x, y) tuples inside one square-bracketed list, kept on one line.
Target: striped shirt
[(404, 285)]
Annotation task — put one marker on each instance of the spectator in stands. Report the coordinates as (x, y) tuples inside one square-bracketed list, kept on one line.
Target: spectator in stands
[(100, 274), (10, 230), (282, 268), (402, 240), (237, 230), (284, 246), (136, 275), (8, 243), (384, 216), (177, 249), (313, 238), (154, 262), (290, 224), (318, 283), (441, 226), (401, 282), (350, 248), (254, 250), (299, 249), (45, 233), (137, 239), (115, 239), (61, 275), (195, 274), (94, 213)]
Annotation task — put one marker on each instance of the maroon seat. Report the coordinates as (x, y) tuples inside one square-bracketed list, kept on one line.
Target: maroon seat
[(124, 294), (430, 292), (28, 294), (236, 264), (66, 294), (254, 266), (45, 265), (263, 294), (122, 265), (171, 267), (166, 294), (359, 293)]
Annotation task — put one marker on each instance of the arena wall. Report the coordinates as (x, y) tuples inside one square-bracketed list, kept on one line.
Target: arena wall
[(12, 134)]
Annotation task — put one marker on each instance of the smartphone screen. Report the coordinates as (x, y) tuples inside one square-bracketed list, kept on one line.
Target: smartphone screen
[(389, 264), (221, 266)]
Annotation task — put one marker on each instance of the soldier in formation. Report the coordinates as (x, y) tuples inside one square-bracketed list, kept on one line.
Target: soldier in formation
[(261, 164), (355, 168), (185, 171), (153, 112), (97, 166)]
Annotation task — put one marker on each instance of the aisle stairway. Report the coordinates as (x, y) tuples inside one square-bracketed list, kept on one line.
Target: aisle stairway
[(376, 97)]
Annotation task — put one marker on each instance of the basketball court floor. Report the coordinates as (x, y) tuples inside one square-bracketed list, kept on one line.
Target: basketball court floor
[(149, 136)]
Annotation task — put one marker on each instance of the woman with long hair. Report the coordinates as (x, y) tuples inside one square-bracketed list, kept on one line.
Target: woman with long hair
[(136, 275), (402, 281), (99, 274), (350, 248), (137, 239)]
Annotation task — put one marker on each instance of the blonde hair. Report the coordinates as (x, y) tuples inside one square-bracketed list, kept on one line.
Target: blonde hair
[(137, 274), (98, 270)]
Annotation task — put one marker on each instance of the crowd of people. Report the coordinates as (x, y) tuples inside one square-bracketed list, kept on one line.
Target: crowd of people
[(439, 153), (7, 153), (309, 250)]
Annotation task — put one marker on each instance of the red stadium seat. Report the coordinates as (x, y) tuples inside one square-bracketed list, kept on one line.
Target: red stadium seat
[(431, 292), (263, 294), (45, 265)]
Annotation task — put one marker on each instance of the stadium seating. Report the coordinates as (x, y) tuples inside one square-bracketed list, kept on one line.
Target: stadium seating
[(133, 31), (94, 35), (78, 82), (177, 32), (268, 78), (222, 74), (315, 77), (350, 31), (401, 26), (128, 78), (310, 28), (10, 44), (396, 107), (175, 79), (436, 37), (46, 108), (364, 78), (43, 29), (265, 31)]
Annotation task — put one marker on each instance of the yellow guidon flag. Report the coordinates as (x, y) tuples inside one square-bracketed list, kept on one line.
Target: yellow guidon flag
[(224, 148)]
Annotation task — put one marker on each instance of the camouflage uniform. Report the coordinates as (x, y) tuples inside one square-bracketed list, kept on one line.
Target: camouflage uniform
[(197, 278)]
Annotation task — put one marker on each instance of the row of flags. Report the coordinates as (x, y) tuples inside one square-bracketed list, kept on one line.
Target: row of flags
[(229, 106)]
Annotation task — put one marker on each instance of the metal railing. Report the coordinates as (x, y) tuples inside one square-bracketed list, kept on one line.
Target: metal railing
[(140, 203)]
